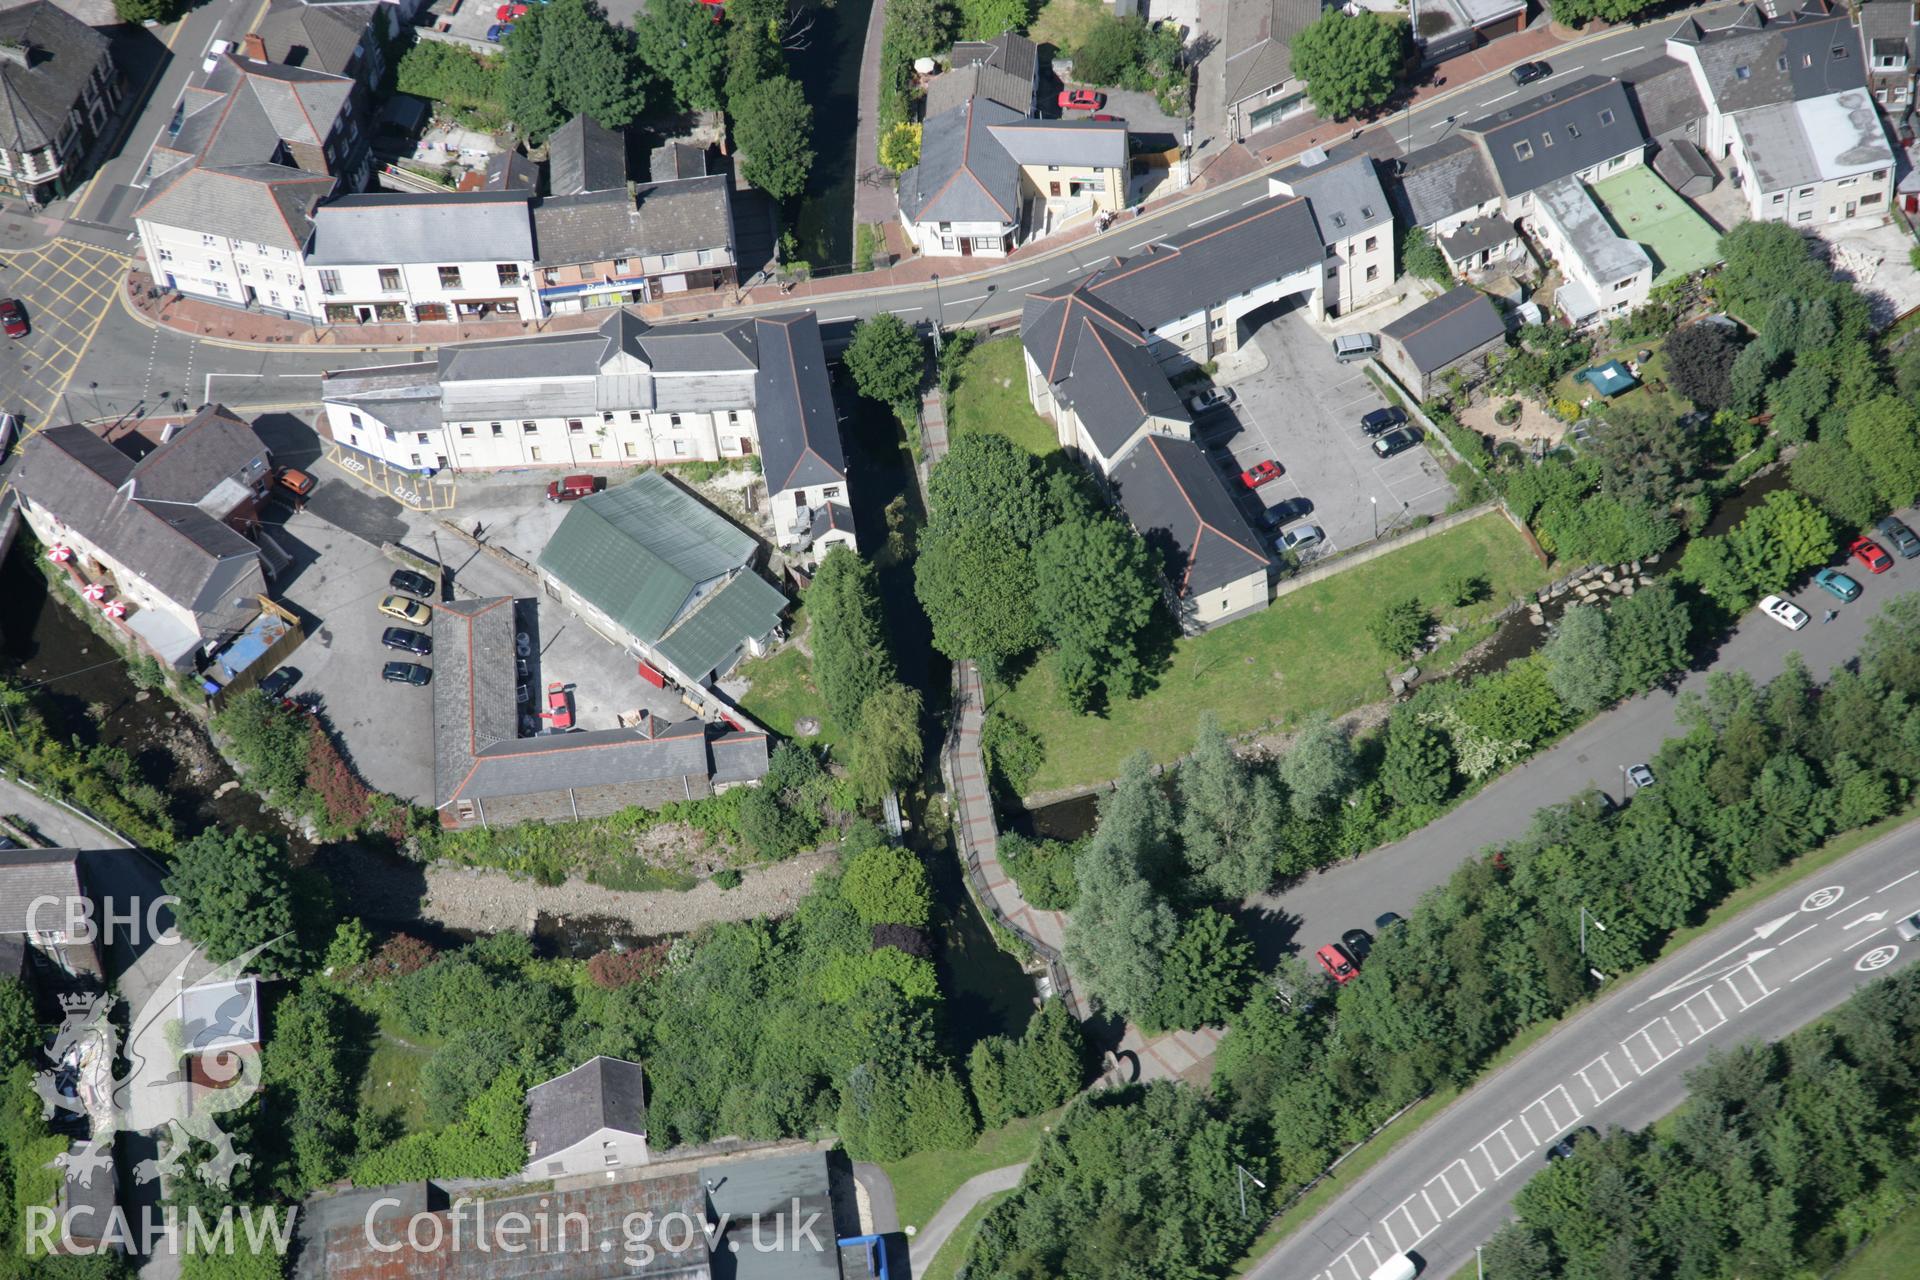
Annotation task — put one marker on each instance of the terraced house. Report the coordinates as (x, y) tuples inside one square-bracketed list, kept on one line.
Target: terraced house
[(58, 86)]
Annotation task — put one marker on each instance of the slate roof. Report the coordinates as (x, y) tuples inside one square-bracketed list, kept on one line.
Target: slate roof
[(1557, 133), (675, 160), (208, 448), (1101, 143), (1345, 193), (583, 155), (27, 875), (268, 204), (789, 1188), (659, 218), (324, 37), (964, 174), (1886, 29), (1005, 69), (176, 547), (1439, 181), (1447, 328), (600, 1093), (1173, 497), (403, 396), (793, 406), (1665, 93), (1753, 62), (1106, 376), (511, 171), (296, 104), (1255, 48), (62, 55), (392, 226), (1476, 234)]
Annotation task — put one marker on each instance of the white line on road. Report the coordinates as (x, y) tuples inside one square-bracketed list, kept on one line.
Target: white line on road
[(961, 301), (904, 311), (1790, 937), (1210, 217), (1034, 284), (1809, 969), (1902, 880), (1857, 941), (1624, 53), (1503, 97), (837, 319), (1255, 200)]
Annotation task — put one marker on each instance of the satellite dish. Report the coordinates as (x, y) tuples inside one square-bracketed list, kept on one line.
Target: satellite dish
[(924, 66)]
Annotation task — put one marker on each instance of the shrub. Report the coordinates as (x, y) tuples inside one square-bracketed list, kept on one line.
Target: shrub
[(728, 878), (1400, 625)]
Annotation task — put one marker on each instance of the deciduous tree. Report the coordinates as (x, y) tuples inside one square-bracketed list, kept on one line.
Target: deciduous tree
[(1318, 767), (1649, 632), (1119, 930), (1884, 434), (1833, 475), (1700, 360), (234, 895), (1580, 662), (850, 658), (1095, 590), (1205, 975), (1350, 64), (773, 126), (886, 359), (886, 748), (1230, 817), (686, 50)]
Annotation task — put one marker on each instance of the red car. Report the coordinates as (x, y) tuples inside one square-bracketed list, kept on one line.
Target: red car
[(1260, 473), (508, 12), (559, 709), (12, 318), (1339, 965), (1081, 100), (1871, 554)]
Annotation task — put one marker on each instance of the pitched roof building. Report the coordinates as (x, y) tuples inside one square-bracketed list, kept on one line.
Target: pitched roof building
[(1888, 36), (1458, 326), (58, 85), (584, 155), (1253, 67), (343, 39), (1214, 562), (590, 1120)]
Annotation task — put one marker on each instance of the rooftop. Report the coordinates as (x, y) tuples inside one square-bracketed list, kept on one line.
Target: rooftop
[(1814, 139), (964, 174), (62, 54), (1604, 254), (1558, 133), (1451, 326), (390, 226), (1753, 61), (1174, 498), (583, 155), (601, 1093), (1646, 209), (29, 875), (1257, 43)]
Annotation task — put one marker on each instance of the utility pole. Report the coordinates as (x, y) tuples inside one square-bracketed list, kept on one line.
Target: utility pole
[(939, 315), (1241, 1182)]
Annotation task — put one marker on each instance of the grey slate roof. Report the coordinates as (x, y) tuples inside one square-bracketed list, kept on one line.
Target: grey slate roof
[(793, 405), (1753, 62), (600, 1093), (1346, 194), (1447, 328), (659, 218), (1685, 168), (583, 155), (788, 1188), (393, 226), (697, 346), (268, 204), (1559, 132), (1886, 28), (27, 875), (740, 756), (1439, 181), (675, 160), (208, 448), (1113, 383), (1005, 69), (403, 396), (1173, 497), (1476, 234), (323, 37), (1206, 265), (964, 174), (511, 171), (62, 54), (1256, 52), (1666, 95), (1067, 142)]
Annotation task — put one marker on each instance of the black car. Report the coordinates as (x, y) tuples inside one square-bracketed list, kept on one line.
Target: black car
[(414, 584), (1357, 942), (277, 684), (1527, 72), (1386, 920), (1564, 1148), (410, 641), (1397, 441), (1906, 543), (1383, 420), (406, 673), (1286, 511)]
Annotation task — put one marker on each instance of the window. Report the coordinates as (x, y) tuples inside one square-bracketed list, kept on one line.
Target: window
[(1547, 138), (1339, 218), (1805, 215), (1373, 242), (508, 273), (679, 448), (631, 449), (529, 427), (1618, 285), (1743, 73), (575, 426), (449, 277), (620, 266), (273, 297), (498, 430), (245, 270), (1366, 211), (419, 437), (593, 451), (1523, 150), (633, 415), (946, 242), (220, 288), (1849, 182), (213, 264), (1804, 192), (533, 452), (1373, 273), (1573, 131), (1606, 116), (673, 419), (1782, 63), (733, 418), (1879, 175), (1779, 197), (390, 279), (205, 239), (413, 459), (831, 492), (466, 431), (166, 255), (329, 282), (1839, 53), (391, 438)]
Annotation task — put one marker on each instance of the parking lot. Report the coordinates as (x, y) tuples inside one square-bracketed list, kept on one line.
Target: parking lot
[(1302, 409)]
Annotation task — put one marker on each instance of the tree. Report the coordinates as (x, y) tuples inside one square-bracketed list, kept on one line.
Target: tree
[(985, 19), (1700, 363), (1400, 625), (143, 11), (1417, 765), (887, 884), (886, 747), (886, 359), (564, 59), (1885, 434), (1351, 64), (1747, 380), (1580, 663), (900, 146), (1649, 632), (1421, 257), (1833, 475), (1230, 817), (773, 128), (1796, 401), (686, 50), (1095, 591), (1110, 51), (850, 658), (1779, 539), (988, 478), (1119, 930), (1205, 975), (1318, 767), (1646, 458), (976, 584), (1890, 655), (1710, 564), (234, 895), (19, 1027)]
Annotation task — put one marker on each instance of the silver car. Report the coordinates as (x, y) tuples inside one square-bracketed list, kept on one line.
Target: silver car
[(1300, 537), (1908, 929)]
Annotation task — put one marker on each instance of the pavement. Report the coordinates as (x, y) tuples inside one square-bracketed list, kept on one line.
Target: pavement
[(1624, 1062), (940, 1227), (65, 827)]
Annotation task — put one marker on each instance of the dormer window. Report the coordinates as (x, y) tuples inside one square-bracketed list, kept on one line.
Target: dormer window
[(1366, 211), (1839, 53), (1523, 150), (1339, 219), (1546, 139), (1783, 62)]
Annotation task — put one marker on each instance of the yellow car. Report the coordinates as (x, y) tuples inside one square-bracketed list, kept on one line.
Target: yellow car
[(408, 611)]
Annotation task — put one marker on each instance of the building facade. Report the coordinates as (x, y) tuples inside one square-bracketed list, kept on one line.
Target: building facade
[(58, 88), (422, 259)]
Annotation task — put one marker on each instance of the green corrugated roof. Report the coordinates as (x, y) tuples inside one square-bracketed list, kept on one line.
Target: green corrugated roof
[(747, 607), (638, 552)]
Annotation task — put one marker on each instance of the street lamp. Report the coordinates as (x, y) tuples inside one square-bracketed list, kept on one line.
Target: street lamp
[(1241, 1182), (939, 314), (1376, 518)]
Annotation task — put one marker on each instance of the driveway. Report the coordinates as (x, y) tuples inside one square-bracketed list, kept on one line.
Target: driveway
[(1303, 409)]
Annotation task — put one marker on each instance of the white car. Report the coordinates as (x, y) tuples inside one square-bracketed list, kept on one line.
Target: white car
[(1908, 929), (1785, 612), (1209, 400), (214, 53), (9, 424)]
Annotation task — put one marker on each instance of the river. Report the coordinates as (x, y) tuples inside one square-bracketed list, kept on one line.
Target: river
[(829, 71)]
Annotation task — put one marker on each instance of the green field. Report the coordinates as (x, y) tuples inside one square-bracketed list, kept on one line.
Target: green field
[(991, 395), (923, 1182), (392, 1082), (1065, 24), (1888, 1256), (1308, 652), (782, 690)]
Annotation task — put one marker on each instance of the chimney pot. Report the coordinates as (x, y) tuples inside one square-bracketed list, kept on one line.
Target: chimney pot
[(255, 45)]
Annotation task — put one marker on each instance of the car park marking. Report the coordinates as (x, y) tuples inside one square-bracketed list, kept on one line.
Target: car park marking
[(1585, 1076), (1485, 1148)]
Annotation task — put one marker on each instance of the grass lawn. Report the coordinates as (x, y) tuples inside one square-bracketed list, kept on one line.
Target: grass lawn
[(782, 690), (1643, 398), (992, 395), (1888, 1256), (1065, 24), (954, 1252), (1309, 651), (924, 1181), (392, 1081)]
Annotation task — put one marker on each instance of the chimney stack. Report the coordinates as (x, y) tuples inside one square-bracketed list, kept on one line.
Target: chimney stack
[(255, 46)]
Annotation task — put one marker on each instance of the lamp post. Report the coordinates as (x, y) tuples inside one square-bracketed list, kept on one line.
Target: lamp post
[(1480, 1266), (939, 315), (1376, 518), (1585, 916), (1242, 1182)]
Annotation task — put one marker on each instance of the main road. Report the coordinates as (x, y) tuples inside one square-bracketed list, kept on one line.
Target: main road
[(1621, 1062)]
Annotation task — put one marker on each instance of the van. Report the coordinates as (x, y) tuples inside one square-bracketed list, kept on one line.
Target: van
[(1398, 1267), (572, 487), (1354, 347)]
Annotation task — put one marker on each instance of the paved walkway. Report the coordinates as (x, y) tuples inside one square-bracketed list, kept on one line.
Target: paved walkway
[(874, 196), (927, 1242), (66, 828)]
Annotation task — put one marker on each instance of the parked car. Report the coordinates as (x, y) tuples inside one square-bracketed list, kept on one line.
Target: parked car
[(275, 685), (406, 673), (1261, 472), (13, 318), (508, 12), (1562, 1149), (1396, 442), (559, 707), (1528, 72), (9, 428), (1357, 942), (1300, 537), (411, 612), (1906, 543), (1400, 1266), (1383, 420), (1784, 612), (1338, 964), (1837, 584), (1640, 776), (1908, 929), (411, 641), (569, 488), (413, 583), (295, 481), (1285, 510), (1870, 554), (1081, 100), (1386, 920), (496, 33), (1105, 119), (1354, 347), (1209, 400)]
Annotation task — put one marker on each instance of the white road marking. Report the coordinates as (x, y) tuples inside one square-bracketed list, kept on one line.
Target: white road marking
[(1868, 918), (1902, 880), (1210, 217), (837, 319), (961, 301), (1034, 284), (1716, 1014), (904, 311), (1733, 987), (1857, 941), (1245, 203), (1809, 969), (1790, 937), (1594, 1088), (1624, 53), (1503, 97)]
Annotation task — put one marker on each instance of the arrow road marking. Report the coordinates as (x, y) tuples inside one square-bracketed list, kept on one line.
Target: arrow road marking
[(1869, 918)]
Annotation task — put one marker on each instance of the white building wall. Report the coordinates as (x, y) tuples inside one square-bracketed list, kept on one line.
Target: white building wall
[(598, 1153), (235, 272), (585, 441), (933, 242), (416, 284), (50, 529), (788, 526)]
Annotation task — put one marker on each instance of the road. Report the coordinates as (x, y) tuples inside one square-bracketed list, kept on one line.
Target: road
[(1350, 895), (1622, 1062)]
